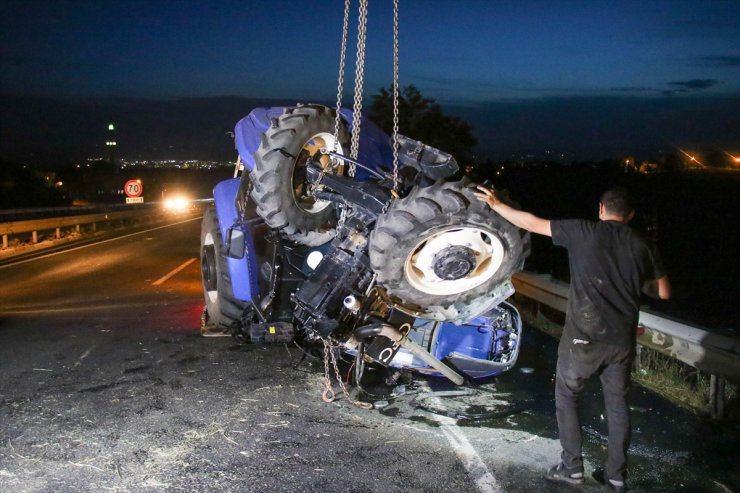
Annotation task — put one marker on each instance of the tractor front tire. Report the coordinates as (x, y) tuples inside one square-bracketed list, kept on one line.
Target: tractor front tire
[(223, 310), (278, 180), (445, 253)]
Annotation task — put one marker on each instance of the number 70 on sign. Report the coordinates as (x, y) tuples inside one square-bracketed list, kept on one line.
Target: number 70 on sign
[(133, 188)]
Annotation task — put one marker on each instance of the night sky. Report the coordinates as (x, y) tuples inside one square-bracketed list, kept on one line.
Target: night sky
[(587, 77)]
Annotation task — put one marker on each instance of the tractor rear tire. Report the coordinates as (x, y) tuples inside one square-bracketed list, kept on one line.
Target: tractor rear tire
[(445, 253), (223, 310), (278, 179)]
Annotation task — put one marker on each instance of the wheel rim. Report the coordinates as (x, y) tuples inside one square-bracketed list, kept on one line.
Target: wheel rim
[(208, 268), (302, 196), (454, 260)]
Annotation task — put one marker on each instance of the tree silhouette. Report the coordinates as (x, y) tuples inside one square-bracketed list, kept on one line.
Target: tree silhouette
[(422, 119), (20, 187)]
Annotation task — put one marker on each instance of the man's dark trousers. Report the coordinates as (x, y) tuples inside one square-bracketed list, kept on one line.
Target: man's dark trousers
[(577, 361)]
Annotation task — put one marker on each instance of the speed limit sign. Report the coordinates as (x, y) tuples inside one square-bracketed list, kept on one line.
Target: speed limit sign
[(133, 188)]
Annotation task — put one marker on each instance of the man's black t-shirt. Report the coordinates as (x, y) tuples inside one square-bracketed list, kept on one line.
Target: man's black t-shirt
[(609, 264)]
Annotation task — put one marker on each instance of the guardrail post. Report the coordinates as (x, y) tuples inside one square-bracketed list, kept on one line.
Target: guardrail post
[(33, 227), (717, 396)]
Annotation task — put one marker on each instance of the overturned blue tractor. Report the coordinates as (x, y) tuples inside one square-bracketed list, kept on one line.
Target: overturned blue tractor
[(394, 265)]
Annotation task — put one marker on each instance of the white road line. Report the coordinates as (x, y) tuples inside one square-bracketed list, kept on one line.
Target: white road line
[(97, 243), (471, 461), (164, 278), (74, 309)]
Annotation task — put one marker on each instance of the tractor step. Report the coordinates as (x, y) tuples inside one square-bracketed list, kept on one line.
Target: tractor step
[(271, 332)]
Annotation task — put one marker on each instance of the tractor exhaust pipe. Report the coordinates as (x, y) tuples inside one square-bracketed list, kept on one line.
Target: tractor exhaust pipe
[(395, 335)]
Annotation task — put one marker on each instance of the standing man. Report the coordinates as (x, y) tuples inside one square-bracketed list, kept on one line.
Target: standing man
[(610, 265)]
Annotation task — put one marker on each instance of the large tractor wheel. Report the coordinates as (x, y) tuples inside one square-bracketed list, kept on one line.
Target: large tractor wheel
[(223, 309), (445, 252), (279, 187)]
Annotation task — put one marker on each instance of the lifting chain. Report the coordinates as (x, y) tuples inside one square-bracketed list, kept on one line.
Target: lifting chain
[(330, 357), (359, 83), (340, 85), (395, 97), (338, 116)]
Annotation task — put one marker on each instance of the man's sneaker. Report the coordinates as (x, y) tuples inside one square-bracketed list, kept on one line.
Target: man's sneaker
[(614, 485), (562, 474)]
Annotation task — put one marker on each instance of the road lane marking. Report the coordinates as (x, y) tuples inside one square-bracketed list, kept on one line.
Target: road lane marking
[(31, 310), (471, 461), (97, 243), (164, 278)]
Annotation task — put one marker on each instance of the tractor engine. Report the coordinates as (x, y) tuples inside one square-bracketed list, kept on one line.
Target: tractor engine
[(320, 301)]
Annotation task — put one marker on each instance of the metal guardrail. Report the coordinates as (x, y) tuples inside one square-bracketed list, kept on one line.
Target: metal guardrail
[(33, 226), (711, 353), (34, 212), (57, 218), (29, 213)]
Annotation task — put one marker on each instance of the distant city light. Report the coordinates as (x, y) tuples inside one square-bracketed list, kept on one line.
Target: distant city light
[(194, 164)]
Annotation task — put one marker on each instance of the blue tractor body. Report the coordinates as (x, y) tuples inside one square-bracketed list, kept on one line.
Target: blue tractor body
[(278, 283)]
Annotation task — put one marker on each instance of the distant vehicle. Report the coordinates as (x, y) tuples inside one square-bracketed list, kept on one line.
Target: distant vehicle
[(176, 199), (308, 245)]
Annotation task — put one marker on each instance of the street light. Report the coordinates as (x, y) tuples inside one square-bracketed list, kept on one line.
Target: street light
[(691, 157)]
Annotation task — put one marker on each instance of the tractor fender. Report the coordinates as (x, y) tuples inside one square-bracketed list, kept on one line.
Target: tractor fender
[(242, 271), (374, 151), (248, 132)]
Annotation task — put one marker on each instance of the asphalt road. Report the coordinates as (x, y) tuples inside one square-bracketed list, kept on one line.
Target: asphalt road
[(106, 385)]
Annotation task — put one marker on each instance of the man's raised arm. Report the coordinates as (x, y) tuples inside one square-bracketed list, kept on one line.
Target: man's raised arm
[(520, 219)]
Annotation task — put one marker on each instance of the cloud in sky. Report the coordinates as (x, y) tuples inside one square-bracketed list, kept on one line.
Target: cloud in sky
[(633, 89), (717, 61), (694, 84), (689, 86)]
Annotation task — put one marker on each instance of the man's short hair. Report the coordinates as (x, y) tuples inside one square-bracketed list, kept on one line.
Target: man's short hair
[(618, 201)]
